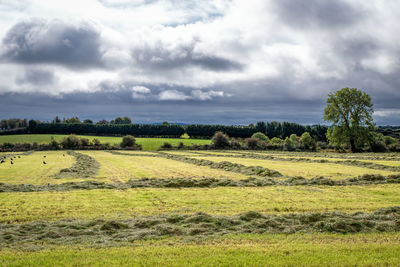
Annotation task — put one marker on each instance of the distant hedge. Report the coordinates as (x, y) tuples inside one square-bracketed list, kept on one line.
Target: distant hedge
[(108, 129), (199, 130)]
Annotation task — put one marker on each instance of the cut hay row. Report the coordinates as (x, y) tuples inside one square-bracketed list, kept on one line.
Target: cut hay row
[(348, 162), (84, 167), (112, 232), (201, 183)]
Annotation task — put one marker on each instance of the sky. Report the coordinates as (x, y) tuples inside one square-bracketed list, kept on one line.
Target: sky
[(187, 61)]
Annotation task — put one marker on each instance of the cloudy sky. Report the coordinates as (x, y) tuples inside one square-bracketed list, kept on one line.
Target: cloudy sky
[(221, 61)]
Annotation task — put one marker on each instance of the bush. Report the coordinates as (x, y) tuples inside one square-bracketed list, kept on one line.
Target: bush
[(251, 143), (166, 145), (235, 144), (276, 141), (261, 137), (306, 141), (128, 141), (71, 141), (220, 140), (96, 142), (54, 144), (84, 142)]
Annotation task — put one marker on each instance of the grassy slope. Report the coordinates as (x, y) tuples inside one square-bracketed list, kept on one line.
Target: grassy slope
[(304, 169), (147, 143), (235, 250), (85, 204)]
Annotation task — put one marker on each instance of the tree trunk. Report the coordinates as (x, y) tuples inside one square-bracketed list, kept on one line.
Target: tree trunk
[(353, 145)]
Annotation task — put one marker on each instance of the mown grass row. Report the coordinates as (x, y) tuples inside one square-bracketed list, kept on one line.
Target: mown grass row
[(348, 162), (17, 207), (84, 167), (115, 232), (201, 183)]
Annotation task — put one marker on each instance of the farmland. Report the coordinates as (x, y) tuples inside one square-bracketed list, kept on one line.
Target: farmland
[(147, 143), (199, 207)]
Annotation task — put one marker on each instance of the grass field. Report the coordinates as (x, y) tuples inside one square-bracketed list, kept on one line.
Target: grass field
[(304, 169), (234, 250), (139, 226), (31, 169), (120, 168), (112, 204), (147, 143)]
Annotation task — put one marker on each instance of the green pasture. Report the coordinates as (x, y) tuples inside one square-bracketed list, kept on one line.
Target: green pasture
[(371, 249), (147, 143), (92, 204)]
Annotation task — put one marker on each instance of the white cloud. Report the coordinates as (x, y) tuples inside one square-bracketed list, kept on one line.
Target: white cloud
[(172, 95), (201, 95), (140, 92)]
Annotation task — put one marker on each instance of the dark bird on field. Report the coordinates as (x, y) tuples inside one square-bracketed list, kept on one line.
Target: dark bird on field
[(44, 156), (11, 162), (44, 162), (2, 161), (63, 155), (19, 157)]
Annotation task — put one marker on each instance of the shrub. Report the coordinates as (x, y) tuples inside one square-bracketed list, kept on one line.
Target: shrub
[(234, 143), (71, 141), (54, 144), (96, 142), (166, 145), (220, 140), (306, 141), (276, 141), (128, 141), (251, 143), (261, 137), (181, 145), (84, 142)]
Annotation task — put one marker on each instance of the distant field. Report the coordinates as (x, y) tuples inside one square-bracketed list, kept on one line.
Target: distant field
[(372, 249), (147, 143), (90, 204)]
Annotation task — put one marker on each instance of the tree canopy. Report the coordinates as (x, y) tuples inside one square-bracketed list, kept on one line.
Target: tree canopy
[(350, 111)]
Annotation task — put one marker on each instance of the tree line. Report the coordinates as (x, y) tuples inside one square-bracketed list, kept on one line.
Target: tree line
[(124, 126)]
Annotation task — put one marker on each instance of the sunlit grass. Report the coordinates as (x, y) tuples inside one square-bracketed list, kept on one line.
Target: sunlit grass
[(31, 169), (234, 250), (90, 204), (304, 169), (119, 168)]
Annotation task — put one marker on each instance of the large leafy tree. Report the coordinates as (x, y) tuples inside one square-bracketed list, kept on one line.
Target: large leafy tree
[(350, 111)]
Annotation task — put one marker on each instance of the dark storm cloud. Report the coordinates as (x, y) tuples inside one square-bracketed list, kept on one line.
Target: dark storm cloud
[(54, 42), (314, 13), (36, 77), (162, 58), (236, 110)]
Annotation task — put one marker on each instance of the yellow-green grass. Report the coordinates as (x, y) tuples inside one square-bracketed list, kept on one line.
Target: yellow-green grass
[(120, 168), (304, 169), (116, 204), (147, 143), (30, 169), (372, 249), (394, 163), (184, 153)]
